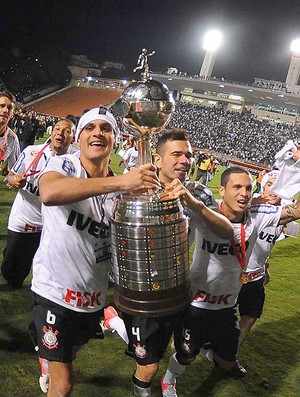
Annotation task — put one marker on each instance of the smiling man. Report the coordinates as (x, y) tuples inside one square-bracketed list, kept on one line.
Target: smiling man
[(25, 219), (173, 160), (70, 268), (9, 144), (218, 271), (252, 294)]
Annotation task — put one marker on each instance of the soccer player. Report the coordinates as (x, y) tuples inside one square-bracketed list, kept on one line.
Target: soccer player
[(70, 268), (217, 273), (25, 219), (173, 159), (252, 294), (9, 144), (131, 157)]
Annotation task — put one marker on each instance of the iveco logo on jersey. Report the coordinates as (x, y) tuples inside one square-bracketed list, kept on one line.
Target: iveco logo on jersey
[(81, 222), (31, 188), (270, 238), (83, 299), (220, 249)]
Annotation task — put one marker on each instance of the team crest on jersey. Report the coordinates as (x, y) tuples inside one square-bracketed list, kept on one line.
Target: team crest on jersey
[(68, 166), (140, 351), (50, 338), (33, 153)]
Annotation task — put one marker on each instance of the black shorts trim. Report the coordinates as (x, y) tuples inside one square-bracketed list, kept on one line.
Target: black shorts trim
[(251, 299)]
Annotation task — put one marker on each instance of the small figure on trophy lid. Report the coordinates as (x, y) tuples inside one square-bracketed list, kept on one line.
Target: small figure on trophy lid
[(143, 63)]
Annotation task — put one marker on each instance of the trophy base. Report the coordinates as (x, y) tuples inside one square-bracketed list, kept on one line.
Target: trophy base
[(153, 304)]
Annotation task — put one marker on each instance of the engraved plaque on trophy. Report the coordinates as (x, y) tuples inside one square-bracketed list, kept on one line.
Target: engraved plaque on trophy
[(150, 252)]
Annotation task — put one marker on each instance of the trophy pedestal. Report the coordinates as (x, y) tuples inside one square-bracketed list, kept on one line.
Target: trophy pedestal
[(153, 304), (150, 256)]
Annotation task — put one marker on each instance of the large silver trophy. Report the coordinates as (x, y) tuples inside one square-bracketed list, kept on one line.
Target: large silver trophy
[(150, 253)]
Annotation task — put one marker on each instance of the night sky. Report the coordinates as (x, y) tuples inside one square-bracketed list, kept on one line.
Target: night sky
[(257, 34)]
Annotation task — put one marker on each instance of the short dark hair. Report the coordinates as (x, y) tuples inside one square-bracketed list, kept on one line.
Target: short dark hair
[(72, 118), (8, 95), (232, 170), (176, 134)]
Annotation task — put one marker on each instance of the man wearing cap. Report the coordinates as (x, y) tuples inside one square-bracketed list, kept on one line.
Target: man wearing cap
[(70, 268), (252, 294)]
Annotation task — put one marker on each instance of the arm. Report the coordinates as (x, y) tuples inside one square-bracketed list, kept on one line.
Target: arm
[(290, 213), (217, 223), (296, 153), (57, 189)]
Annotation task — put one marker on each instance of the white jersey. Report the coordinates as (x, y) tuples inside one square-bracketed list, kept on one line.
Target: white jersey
[(131, 157), (261, 251), (10, 143), (25, 215), (215, 270), (72, 262)]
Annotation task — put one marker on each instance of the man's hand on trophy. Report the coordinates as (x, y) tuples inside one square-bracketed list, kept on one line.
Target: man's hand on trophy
[(142, 179), (176, 190)]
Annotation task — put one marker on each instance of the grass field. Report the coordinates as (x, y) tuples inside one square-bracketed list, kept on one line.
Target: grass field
[(271, 355)]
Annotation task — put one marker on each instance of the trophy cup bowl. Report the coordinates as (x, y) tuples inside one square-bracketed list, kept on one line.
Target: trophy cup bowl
[(150, 251), (145, 108)]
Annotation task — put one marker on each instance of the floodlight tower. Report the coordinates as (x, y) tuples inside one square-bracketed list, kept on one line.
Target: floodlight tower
[(212, 42), (293, 74)]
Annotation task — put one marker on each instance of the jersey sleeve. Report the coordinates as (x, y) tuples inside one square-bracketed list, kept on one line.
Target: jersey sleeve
[(65, 165), (15, 153), (266, 215), (19, 167)]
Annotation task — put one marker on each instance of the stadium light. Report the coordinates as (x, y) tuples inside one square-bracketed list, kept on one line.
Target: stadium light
[(212, 40), (211, 43), (295, 46), (292, 78)]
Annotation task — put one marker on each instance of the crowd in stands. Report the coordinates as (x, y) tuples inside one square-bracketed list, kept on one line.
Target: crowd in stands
[(29, 125), (242, 136)]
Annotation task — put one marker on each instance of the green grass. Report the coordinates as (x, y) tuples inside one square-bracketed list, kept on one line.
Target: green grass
[(272, 353)]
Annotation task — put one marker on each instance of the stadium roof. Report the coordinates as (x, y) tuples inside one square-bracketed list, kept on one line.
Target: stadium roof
[(254, 95)]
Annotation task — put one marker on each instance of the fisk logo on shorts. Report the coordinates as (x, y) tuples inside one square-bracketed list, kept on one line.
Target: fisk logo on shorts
[(50, 338)]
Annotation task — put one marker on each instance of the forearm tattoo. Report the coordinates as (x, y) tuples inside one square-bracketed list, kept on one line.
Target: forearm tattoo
[(290, 212)]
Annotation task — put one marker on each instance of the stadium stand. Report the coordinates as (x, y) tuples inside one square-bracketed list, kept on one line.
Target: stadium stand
[(73, 101), (231, 136), (239, 136)]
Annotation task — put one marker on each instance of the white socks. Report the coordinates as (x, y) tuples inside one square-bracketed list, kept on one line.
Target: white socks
[(117, 324), (174, 370)]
